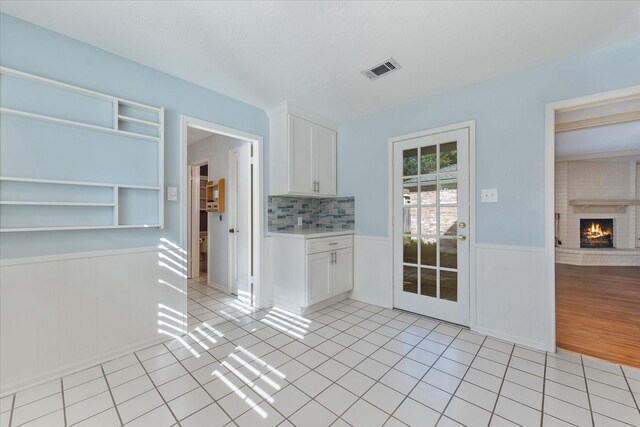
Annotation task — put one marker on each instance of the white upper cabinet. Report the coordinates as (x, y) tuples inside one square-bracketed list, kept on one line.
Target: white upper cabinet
[(302, 154)]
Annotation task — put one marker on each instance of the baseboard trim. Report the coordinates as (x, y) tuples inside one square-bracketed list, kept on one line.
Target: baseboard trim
[(76, 367), (511, 338)]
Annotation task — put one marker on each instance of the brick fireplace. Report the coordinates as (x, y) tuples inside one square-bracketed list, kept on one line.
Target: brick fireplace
[(596, 213)]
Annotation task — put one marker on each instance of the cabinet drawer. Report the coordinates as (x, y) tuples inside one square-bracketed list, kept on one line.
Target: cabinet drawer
[(324, 244)]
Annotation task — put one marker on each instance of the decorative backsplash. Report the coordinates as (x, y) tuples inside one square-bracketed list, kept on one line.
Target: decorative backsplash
[(337, 213)]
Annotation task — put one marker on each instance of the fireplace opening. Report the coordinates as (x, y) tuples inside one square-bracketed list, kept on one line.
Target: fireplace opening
[(596, 233)]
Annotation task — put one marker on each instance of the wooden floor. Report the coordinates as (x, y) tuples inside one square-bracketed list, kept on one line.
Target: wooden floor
[(598, 312)]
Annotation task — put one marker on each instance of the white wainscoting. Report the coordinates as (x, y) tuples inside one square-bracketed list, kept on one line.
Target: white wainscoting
[(512, 294), (61, 314), (512, 301), (373, 270)]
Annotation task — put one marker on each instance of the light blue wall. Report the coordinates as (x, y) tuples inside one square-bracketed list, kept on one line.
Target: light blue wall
[(510, 140), (32, 49)]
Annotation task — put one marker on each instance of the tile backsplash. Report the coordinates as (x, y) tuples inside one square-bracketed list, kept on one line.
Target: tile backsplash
[(336, 213)]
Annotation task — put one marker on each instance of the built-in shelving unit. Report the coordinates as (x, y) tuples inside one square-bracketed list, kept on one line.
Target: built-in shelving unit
[(46, 203), (203, 192)]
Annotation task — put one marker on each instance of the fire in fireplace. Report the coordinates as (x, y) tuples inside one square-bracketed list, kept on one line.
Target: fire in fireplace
[(596, 233)]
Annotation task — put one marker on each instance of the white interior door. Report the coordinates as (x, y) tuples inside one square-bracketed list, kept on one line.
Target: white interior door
[(193, 222), (239, 192), (431, 225)]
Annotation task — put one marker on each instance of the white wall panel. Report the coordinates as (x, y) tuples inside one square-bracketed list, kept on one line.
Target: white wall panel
[(62, 313), (511, 288), (512, 294), (373, 270)]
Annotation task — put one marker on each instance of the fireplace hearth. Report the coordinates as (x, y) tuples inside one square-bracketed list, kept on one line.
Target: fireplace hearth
[(596, 233)]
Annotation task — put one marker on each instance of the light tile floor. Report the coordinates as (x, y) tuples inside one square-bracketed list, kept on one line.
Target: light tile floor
[(348, 364)]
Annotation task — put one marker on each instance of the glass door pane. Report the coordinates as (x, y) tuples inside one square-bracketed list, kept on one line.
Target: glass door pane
[(430, 221)]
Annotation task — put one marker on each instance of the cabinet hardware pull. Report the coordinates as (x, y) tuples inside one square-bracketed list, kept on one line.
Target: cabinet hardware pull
[(334, 243)]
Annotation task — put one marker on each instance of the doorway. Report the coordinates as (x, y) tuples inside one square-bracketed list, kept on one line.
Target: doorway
[(593, 233), (222, 208), (432, 225)]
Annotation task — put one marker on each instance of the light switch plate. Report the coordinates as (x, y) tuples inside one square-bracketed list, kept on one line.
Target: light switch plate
[(172, 194), (489, 195)]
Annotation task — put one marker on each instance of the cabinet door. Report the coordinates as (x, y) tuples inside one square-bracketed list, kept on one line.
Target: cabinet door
[(302, 169), (343, 271), (326, 159), (319, 277)]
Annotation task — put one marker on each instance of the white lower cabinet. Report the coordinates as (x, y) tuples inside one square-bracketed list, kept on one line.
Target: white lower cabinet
[(343, 271), (307, 271), (319, 277)]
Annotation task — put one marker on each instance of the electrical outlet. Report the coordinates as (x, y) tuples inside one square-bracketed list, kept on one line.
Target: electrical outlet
[(299, 221), (489, 195)]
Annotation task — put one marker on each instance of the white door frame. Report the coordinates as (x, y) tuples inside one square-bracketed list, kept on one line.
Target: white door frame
[(260, 298), (190, 215), (471, 234), (550, 187)]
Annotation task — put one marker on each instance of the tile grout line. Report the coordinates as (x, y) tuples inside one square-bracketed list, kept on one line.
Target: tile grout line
[(495, 405), (462, 380), (13, 405), (104, 375), (202, 387), (544, 387), (157, 391), (586, 384), (633, 396), (64, 405)]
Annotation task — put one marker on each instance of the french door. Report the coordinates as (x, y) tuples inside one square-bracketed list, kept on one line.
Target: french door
[(431, 225)]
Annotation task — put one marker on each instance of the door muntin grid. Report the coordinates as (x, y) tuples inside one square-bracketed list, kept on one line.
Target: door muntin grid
[(430, 220)]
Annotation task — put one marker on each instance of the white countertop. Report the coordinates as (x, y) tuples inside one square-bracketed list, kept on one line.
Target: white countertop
[(309, 233)]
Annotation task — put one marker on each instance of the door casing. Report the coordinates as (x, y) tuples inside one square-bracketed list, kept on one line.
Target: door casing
[(261, 296), (471, 126)]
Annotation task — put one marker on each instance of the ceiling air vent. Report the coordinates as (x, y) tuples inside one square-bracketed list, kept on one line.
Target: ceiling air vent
[(382, 69)]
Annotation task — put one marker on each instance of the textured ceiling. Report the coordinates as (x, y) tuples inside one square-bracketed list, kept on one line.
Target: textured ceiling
[(311, 53)]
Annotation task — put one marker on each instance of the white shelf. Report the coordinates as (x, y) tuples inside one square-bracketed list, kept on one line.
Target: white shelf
[(43, 203), (80, 125), (113, 205), (82, 227), (81, 183), (138, 121)]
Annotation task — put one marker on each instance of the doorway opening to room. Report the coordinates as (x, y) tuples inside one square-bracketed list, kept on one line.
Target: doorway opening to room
[(596, 226), (222, 215)]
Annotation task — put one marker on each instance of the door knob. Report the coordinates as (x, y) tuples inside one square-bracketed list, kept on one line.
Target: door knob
[(461, 237), (231, 230)]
